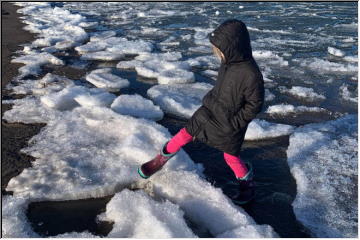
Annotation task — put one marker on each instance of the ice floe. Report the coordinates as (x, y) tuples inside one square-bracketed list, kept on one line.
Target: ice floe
[(181, 100), (34, 62), (336, 52), (325, 66), (269, 96), (261, 129), (270, 57), (324, 161), (137, 106), (302, 92), (55, 26), (137, 215), (95, 97), (284, 109), (103, 78)]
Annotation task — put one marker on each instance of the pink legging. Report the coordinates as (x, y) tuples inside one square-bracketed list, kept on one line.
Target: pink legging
[(183, 137)]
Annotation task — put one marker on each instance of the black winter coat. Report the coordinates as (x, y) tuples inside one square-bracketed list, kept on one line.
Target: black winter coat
[(237, 97)]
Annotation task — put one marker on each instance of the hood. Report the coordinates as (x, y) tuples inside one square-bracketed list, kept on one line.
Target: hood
[(233, 40)]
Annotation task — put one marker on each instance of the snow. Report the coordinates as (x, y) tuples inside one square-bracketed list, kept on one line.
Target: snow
[(175, 76), (284, 109), (207, 62), (270, 57), (323, 158), (34, 62), (181, 100), (336, 52), (324, 66), (102, 56), (146, 219), (302, 92), (64, 99), (103, 78), (261, 129), (55, 26), (95, 97), (137, 106), (97, 36)]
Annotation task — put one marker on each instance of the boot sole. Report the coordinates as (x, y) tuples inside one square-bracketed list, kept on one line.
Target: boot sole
[(142, 174)]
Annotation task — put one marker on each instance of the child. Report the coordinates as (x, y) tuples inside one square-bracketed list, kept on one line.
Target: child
[(227, 109)]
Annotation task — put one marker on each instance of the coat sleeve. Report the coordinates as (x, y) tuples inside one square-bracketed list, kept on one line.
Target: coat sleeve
[(253, 103)]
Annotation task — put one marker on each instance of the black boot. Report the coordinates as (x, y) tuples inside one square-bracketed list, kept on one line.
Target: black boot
[(243, 190)]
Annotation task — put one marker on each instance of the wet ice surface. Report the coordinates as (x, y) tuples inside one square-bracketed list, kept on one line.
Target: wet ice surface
[(310, 71)]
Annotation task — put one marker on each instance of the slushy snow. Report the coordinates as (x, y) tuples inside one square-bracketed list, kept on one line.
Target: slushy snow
[(137, 106), (323, 158)]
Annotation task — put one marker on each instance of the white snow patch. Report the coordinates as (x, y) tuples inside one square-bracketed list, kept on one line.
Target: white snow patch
[(261, 129), (284, 109), (302, 92), (137, 106), (136, 215), (181, 100), (324, 161), (336, 52)]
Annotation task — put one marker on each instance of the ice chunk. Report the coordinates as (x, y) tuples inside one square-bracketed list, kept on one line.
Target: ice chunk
[(15, 223), (91, 47), (206, 206), (102, 78), (284, 109), (302, 92), (335, 52), (97, 36), (136, 215), (260, 129), (168, 56), (323, 158), (63, 100), (129, 64), (181, 100), (102, 56), (34, 62), (30, 110), (73, 150), (137, 106), (322, 65), (211, 62), (95, 97), (175, 76), (49, 83), (271, 58)]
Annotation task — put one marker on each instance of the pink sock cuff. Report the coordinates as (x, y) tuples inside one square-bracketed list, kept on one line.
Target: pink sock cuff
[(179, 140)]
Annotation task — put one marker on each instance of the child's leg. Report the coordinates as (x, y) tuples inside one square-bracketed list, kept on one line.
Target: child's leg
[(236, 164), (179, 140)]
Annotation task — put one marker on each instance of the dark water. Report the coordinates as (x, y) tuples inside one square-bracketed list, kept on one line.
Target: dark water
[(309, 36)]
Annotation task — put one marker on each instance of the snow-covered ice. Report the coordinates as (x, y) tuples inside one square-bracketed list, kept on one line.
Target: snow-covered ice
[(103, 78), (261, 129), (270, 57), (102, 56), (137, 215), (346, 94), (137, 106), (302, 92), (34, 62), (95, 97), (181, 100), (324, 161), (336, 52), (284, 109), (325, 66)]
